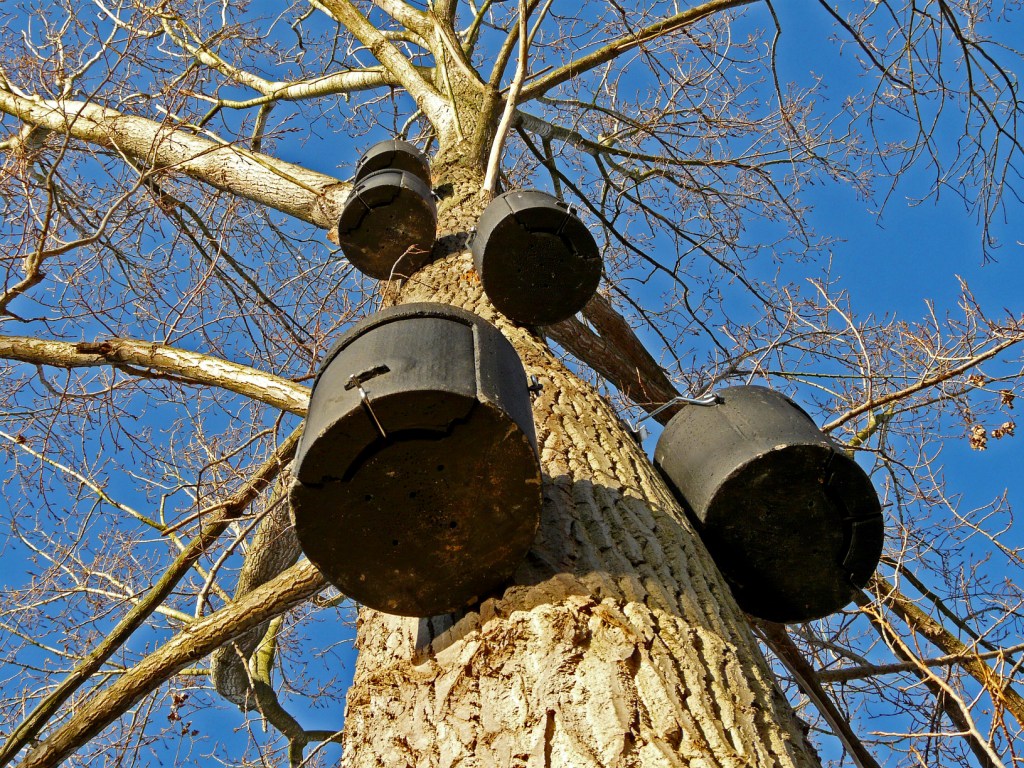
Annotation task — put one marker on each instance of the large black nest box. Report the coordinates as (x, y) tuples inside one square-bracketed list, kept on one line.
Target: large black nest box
[(793, 523), (417, 477), (537, 261), (394, 154), (388, 224)]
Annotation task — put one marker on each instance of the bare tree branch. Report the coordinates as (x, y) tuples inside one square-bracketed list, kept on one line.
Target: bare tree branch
[(289, 188), (217, 519), (192, 367), (784, 647), (627, 43), (291, 588), (423, 92), (1001, 691)]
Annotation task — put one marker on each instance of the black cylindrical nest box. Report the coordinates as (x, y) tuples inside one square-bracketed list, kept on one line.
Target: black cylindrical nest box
[(388, 224), (417, 477), (394, 154), (537, 261), (793, 523)]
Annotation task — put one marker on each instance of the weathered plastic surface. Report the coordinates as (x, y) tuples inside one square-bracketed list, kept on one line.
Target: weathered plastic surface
[(420, 493), (388, 224), (792, 522), (537, 261), (396, 154)]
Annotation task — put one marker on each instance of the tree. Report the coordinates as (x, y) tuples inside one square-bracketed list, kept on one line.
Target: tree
[(170, 287)]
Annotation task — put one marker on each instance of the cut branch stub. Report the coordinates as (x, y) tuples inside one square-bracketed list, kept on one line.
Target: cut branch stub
[(388, 225), (793, 523), (537, 261), (418, 479)]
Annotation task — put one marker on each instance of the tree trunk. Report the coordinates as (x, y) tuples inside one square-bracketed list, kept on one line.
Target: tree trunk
[(618, 643)]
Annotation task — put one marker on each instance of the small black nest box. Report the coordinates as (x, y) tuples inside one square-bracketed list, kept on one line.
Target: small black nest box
[(418, 485), (791, 521), (388, 224), (537, 261), (394, 154)]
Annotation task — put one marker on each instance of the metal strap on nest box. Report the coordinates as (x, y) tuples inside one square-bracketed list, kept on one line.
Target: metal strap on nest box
[(641, 432), (356, 380)]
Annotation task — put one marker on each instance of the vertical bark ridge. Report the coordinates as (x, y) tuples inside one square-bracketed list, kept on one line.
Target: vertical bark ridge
[(617, 644)]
